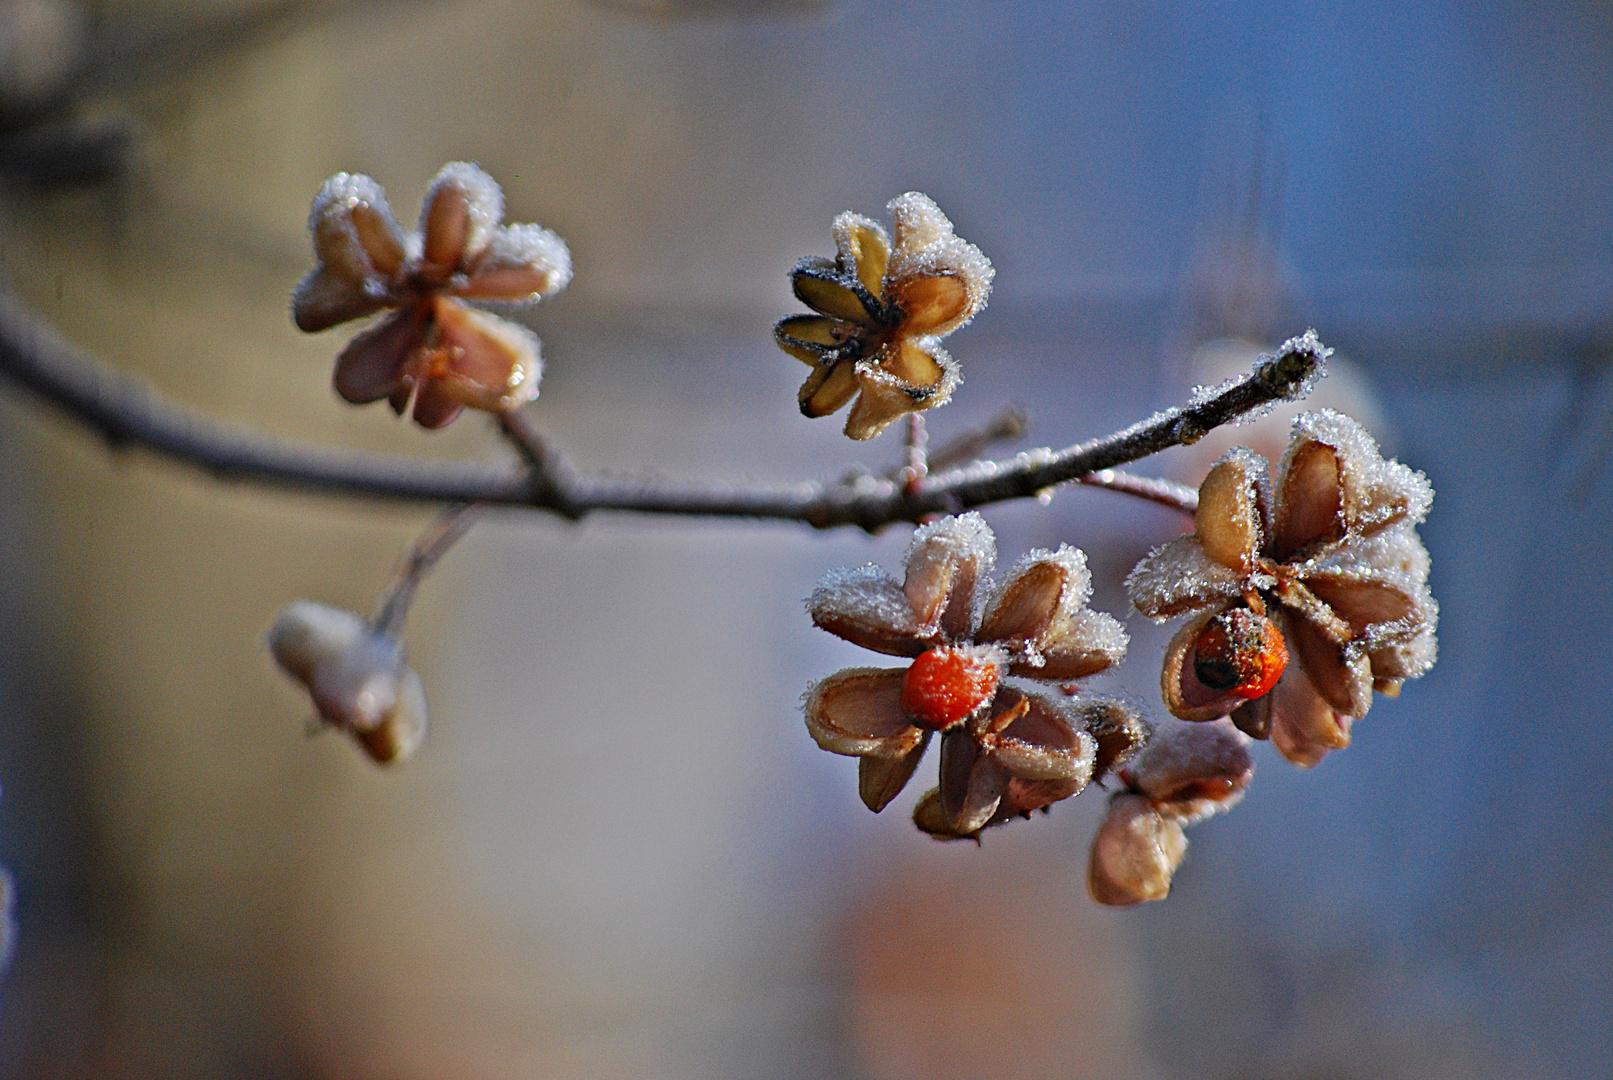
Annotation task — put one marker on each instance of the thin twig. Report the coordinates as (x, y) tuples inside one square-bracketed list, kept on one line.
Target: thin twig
[(1007, 425), (431, 545), (125, 410), (1164, 492)]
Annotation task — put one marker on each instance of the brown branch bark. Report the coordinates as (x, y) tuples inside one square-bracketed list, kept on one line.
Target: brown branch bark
[(128, 412)]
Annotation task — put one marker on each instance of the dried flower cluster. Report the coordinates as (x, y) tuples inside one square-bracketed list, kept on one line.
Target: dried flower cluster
[(1307, 592), (882, 312), (1004, 751), (434, 352), (356, 675), (1325, 564)]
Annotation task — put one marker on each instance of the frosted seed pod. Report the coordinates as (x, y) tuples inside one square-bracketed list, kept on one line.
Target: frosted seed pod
[(356, 676), (1135, 853)]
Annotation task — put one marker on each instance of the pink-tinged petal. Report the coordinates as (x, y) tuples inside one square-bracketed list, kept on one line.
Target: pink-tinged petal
[(1041, 743), (1020, 799), (1181, 577), (324, 299), (371, 367), (355, 235), (972, 783), (1396, 553), (1378, 584), (946, 561), (1040, 587), (867, 607), (859, 711), (1343, 678), (1191, 771), (1184, 695), (522, 262), (880, 779), (462, 207), (1135, 853), (436, 406), (1229, 522), (1373, 494), (1304, 727), (481, 360), (862, 249), (1039, 615), (401, 398)]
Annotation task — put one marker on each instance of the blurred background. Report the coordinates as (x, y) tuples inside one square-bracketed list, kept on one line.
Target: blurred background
[(619, 854)]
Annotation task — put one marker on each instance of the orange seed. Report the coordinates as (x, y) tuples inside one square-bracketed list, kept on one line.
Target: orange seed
[(946, 685), (1240, 652)]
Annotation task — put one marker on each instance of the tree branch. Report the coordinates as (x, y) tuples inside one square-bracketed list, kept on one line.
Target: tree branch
[(1164, 492), (126, 411)]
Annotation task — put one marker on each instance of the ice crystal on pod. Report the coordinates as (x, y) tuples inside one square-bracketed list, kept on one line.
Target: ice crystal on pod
[(1329, 553), (434, 354), (882, 312), (1186, 773), (1004, 751), (356, 676)]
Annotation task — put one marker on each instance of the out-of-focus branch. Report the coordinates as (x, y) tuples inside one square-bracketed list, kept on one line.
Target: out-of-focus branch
[(418, 561), (126, 411), (1164, 492)]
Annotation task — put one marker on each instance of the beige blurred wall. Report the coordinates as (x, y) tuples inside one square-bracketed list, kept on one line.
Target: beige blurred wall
[(579, 876)]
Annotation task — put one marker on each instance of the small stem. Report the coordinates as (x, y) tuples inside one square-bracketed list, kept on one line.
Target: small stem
[(428, 547), (1007, 425), (552, 476), (1164, 492), (917, 466)]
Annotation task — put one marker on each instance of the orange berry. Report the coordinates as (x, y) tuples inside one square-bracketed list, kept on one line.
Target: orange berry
[(946, 685), (1241, 653)]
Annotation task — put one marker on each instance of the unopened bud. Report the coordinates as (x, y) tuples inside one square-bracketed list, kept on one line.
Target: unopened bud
[(1134, 854), (356, 676)]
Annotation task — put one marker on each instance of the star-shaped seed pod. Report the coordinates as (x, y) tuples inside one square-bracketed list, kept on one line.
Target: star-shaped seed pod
[(433, 352), (356, 676), (1326, 566), (882, 312), (1004, 751), (1186, 773)]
